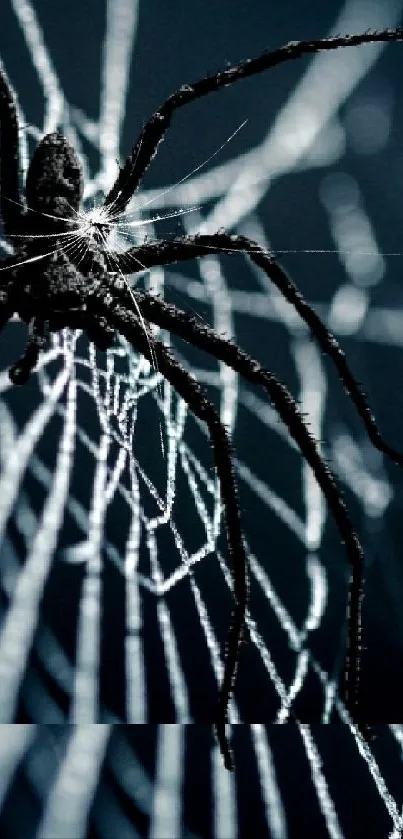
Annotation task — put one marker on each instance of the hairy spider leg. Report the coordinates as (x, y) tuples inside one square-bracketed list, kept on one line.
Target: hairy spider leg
[(131, 173), (11, 201), (204, 337), (190, 247), (196, 398), (21, 370)]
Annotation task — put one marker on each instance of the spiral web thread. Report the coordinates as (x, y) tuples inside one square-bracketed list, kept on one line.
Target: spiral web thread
[(40, 491)]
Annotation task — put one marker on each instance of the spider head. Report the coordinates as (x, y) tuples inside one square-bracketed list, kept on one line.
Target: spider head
[(55, 180)]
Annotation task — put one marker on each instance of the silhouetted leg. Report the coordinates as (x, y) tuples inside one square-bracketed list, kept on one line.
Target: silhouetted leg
[(187, 247), (21, 371), (153, 131), (11, 203), (128, 325)]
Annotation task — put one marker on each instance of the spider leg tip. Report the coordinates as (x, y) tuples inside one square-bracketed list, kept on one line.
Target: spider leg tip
[(19, 373)]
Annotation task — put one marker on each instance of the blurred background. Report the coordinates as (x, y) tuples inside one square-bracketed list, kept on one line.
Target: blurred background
[(113, 576)]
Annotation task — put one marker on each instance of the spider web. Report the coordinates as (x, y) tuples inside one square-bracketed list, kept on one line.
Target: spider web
[(115, 590)]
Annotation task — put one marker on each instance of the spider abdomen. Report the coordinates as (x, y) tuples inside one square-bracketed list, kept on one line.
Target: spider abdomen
[(55, 181)]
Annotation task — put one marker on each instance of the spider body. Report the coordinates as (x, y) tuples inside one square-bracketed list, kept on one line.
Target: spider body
[(48, 281), (51, 283)]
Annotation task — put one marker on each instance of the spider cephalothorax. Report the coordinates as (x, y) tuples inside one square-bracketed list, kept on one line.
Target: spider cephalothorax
[(50, 284), (52, 278)]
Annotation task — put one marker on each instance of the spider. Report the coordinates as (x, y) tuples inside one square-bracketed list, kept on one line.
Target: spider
[(49, 286)]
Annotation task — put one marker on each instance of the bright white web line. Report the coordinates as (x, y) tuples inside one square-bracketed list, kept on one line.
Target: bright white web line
[(117, 386)]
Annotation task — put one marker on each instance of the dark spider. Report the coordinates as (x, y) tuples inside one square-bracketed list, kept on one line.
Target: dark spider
[(51, 287)]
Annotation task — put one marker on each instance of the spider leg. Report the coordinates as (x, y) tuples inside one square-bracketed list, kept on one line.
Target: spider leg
[(6, 305), (128, 325), (11, 203), (190, 329), (20, 372), (167, 252), (100, 333), (154, 129)]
